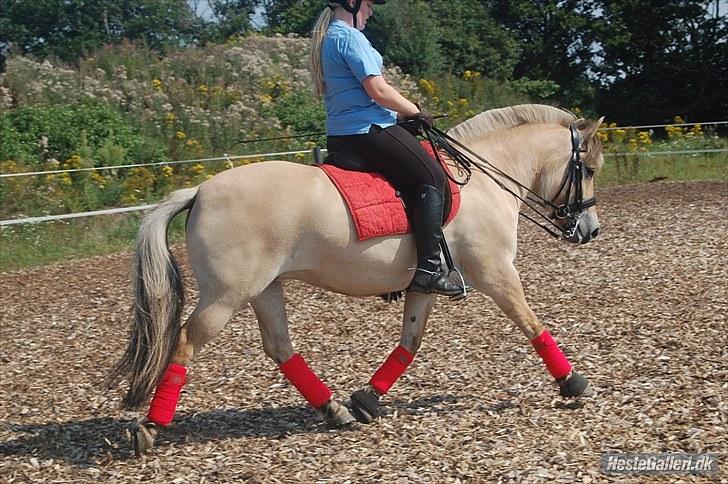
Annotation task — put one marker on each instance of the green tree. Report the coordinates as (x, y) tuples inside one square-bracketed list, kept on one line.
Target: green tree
[(658, 59), (229, 17), (471, 39), (68, 29), (407, 35), (291, 16), (555, 41)]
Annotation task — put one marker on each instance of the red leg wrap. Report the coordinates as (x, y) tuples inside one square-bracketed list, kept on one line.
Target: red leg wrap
[(306, 381), (164, 402), (549, 351), (396, 363)]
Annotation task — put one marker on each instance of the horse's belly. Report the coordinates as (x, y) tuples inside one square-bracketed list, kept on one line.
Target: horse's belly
[(359, 268)]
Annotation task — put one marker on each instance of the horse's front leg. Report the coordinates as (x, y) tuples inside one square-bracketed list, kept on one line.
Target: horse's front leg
[(365, 402), (505, 287)]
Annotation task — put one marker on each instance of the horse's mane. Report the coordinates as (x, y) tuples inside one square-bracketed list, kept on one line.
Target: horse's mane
[(509, 117)]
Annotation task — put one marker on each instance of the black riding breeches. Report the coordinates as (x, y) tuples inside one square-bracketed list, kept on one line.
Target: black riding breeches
[(398, 156)]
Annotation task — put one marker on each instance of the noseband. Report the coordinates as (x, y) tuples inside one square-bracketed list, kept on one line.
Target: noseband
[(574, 178)]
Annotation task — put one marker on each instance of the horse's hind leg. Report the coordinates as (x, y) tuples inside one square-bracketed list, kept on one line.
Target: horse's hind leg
[(270, 310), (209, 317), (365, 402), (504, 286)]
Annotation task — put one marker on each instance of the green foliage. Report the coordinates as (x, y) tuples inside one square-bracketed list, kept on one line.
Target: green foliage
[(471, 39), (555, 40), (229, 18), (407, 34), (291, 16), (302, 113), (538, 90), (672, 60), (37, 134), (68, 29)]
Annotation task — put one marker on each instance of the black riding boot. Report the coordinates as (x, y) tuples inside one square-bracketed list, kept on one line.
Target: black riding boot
[(427, 228)]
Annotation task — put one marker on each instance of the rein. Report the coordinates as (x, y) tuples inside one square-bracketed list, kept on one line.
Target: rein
[(574, 177)]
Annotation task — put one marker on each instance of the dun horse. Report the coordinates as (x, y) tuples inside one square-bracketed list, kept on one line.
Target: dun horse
[(251, 227)]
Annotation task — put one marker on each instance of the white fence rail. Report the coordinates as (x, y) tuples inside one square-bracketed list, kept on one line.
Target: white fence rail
[(226, 157)]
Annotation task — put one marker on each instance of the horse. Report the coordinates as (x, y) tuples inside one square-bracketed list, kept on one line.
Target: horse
[(251, 227)]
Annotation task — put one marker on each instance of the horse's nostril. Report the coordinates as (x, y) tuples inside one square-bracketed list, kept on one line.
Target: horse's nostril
[(595, 233)]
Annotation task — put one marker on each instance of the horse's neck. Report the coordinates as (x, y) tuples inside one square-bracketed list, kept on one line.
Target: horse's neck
[(519, 160)]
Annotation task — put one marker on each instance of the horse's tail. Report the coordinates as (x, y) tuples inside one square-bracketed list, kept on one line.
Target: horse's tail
[(158, 301)]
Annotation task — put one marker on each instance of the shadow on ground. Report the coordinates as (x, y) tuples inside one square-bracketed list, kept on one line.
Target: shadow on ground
[(98, 441)]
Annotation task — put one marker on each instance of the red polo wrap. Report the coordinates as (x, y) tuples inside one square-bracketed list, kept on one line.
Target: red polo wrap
[(306, 381), (549, 351), (164, 402), (396, 363)]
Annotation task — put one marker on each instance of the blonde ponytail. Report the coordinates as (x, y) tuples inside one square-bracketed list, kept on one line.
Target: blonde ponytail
[(317, 36)]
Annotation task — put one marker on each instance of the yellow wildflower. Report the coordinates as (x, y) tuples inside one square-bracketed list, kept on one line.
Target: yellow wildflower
[(166, 171), (73, 162), (429, 87), (157, 84), (202, 89), (180, 135), (98, 179), (9, 166), (170, 117)]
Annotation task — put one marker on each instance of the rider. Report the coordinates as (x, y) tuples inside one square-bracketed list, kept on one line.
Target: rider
[(362, 111)]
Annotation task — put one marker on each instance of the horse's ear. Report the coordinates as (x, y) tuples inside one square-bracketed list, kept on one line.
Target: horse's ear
[(587, 128)]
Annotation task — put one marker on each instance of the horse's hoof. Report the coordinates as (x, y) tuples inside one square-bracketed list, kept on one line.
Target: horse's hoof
[(574, 386), (144, 435), (365, 406), (335, 414)]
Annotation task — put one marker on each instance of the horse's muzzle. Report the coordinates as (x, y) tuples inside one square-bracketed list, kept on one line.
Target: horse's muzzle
[(580, 234)]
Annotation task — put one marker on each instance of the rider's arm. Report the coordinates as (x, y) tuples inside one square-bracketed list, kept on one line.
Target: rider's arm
[(387, 96)]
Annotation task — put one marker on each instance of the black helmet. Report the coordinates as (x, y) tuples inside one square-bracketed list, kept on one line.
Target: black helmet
[(357, 6)]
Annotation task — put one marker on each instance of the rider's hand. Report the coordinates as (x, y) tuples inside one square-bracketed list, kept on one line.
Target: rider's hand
[(424, 119), (414, 122)]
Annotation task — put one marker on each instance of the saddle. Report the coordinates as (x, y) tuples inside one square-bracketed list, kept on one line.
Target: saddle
[(376, 206)]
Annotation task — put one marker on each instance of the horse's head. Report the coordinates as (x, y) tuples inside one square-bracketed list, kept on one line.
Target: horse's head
[(571, 189)]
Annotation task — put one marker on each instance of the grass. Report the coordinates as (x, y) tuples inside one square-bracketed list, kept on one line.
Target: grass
[(631, 170), (24, 246), (30, 245)]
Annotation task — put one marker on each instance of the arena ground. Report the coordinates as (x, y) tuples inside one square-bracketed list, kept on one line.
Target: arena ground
[(641, 312)]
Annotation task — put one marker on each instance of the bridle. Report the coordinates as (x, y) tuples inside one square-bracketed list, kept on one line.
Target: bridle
[(571, 211)]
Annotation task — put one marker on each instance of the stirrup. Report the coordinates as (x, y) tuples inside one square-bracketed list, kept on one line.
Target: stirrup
[(429, 288), (464, 286)]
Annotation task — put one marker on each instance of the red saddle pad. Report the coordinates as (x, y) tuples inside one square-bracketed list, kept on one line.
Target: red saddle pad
[(373, 203)]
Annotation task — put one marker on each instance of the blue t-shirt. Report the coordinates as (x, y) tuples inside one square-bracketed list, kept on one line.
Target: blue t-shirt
[(347, 58)]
